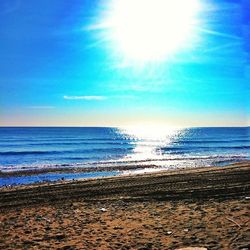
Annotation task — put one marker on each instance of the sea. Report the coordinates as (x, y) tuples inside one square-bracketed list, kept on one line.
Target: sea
[(119, 150)]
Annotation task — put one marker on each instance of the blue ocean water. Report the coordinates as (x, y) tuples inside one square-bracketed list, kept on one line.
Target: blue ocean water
[(25, 148)]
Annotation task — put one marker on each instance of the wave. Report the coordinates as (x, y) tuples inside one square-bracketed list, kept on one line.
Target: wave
[(210, 141), (126, 149), (67, 139), (65, 144), (118, 138), (107, 141), (77, 151), (163, 158), (202, 147), (160, 162)]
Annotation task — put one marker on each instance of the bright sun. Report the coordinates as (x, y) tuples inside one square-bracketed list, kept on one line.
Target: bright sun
[(150, 30)]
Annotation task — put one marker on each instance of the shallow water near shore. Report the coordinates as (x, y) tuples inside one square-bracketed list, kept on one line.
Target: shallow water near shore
[(34, 149), (50, 177)]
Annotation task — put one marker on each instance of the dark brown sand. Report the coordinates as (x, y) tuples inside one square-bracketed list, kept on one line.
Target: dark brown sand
[(206, 207)]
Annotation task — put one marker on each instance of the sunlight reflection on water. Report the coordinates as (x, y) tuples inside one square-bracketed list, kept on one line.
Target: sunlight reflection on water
[(149, 140)]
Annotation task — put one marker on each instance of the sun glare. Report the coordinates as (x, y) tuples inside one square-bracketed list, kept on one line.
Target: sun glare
[(150, 30), (150, 131), (149, 139)]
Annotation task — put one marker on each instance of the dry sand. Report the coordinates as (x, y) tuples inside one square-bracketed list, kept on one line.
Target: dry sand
[(207, 207)]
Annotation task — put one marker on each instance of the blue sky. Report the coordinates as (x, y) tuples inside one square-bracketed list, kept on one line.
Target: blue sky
[(57, 70)]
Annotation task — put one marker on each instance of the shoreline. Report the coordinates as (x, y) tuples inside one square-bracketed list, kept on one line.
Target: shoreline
[(122, 165), (14, 178), (192, 179), (73, 170)]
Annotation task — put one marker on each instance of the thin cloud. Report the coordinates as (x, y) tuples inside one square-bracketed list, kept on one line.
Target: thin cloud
[(85, 97), (41, 107)]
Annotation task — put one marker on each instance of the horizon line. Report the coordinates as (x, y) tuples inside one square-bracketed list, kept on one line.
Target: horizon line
[(52, 126)]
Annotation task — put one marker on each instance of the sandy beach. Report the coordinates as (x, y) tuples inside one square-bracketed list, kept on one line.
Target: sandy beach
[(124, 125), (202, 207)]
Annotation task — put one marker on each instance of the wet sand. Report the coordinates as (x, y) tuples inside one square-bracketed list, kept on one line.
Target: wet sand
[(206, 207)]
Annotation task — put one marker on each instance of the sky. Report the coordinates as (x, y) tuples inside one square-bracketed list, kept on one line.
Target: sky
[(96, 63)]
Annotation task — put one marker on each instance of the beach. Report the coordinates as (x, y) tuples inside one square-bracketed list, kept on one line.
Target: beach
[(124, 125), (197, 207)]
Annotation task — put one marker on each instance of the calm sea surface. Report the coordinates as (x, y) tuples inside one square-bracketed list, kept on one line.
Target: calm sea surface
[(34, 148)]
